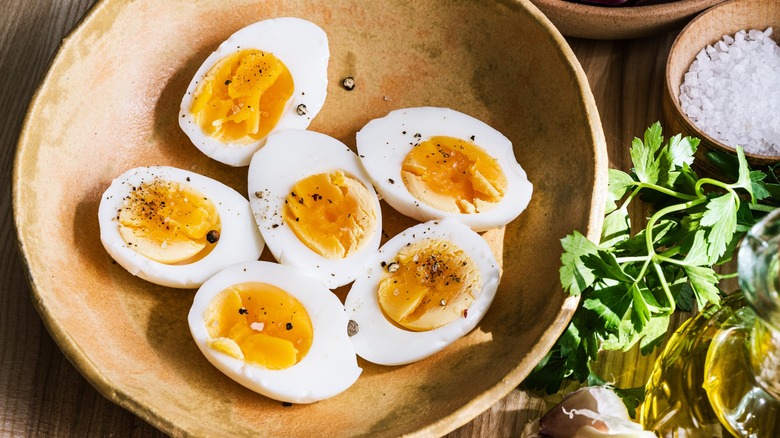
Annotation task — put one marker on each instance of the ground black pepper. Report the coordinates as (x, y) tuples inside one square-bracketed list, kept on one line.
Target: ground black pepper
[(352, 328), (348, 83)]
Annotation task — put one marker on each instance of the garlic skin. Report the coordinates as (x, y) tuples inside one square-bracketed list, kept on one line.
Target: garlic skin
[(588, 413)]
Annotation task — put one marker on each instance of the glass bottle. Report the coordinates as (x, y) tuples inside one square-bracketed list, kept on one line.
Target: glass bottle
[(719, 374)]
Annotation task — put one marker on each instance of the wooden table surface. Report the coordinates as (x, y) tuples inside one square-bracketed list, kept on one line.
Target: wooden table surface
[(42, 394)]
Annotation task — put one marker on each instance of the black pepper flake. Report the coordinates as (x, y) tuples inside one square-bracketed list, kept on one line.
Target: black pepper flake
[(212, 236), (352, 328), (383, 264), (286, 404), (275, 226), (288, 326), (301, 110), (227, 82), (390, 180), (471, 138), (188, 180), (348, 83), (242, 311)]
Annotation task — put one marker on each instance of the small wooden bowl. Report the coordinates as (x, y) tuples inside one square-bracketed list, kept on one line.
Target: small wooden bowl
[(709, 27), (619, 22)]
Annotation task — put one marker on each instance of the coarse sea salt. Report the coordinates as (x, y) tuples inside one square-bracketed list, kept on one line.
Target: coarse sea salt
[(732, 91)]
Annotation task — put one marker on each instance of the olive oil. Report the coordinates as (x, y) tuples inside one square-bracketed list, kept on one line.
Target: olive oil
[(719, 375)]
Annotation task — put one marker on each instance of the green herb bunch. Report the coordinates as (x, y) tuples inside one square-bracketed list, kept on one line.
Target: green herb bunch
[(632, 281)]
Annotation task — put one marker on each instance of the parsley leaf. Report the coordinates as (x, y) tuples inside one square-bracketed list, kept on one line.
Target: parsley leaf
[(633, 279)]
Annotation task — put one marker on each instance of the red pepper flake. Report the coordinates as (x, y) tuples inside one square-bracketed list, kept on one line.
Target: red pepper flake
[(465, 313)]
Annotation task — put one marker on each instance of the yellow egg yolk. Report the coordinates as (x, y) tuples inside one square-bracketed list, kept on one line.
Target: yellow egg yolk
[(260, 324), (331, 213), (453, 175), (168, 222), (242, 97), (429, 284)]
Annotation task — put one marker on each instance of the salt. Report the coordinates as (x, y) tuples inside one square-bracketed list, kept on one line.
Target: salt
[(732, 91)]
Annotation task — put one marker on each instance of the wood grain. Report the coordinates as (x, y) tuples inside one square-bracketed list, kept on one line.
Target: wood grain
[(42, 394)]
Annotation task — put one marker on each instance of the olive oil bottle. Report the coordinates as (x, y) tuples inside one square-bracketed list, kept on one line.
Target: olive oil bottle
[(719, 375)]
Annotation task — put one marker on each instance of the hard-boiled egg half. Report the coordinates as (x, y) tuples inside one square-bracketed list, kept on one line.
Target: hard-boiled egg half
[(174, 227), (267, 77), (432, 163), (276, 331), (315, 205), (424, 289)]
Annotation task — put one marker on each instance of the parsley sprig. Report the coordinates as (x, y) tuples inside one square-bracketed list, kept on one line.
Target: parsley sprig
[(632, 281)]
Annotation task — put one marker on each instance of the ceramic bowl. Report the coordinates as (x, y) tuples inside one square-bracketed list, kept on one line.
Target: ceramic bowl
[(110, 102), (619, 22), (708, 28)]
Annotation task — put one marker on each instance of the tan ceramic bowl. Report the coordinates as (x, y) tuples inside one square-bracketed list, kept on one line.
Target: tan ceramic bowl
[(616, 22), (110, 102), (709, 27)]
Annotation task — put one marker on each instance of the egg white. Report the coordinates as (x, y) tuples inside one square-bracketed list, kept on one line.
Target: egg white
[(330, 366), (384, 143), (302, 46), (286, 158), (380, 341), (239, 238)]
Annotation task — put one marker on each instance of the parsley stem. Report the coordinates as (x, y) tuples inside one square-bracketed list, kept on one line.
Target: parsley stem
[(665, 191), (726, 276), (661, 258), (664, 211), (762, 207), (717, 183), (631, 259), (665, 286)]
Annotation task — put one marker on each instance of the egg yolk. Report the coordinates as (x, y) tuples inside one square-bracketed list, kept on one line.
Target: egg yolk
[(331, 213), (429, 284), (453, 175), (242, 97), (168, 222), (260, 324)]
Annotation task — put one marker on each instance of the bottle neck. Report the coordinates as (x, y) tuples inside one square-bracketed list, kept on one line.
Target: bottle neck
[(765, 356)]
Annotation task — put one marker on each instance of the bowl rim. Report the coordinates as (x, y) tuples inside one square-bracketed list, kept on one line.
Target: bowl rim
[(674, 95), (660, 10), (155, 416)]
